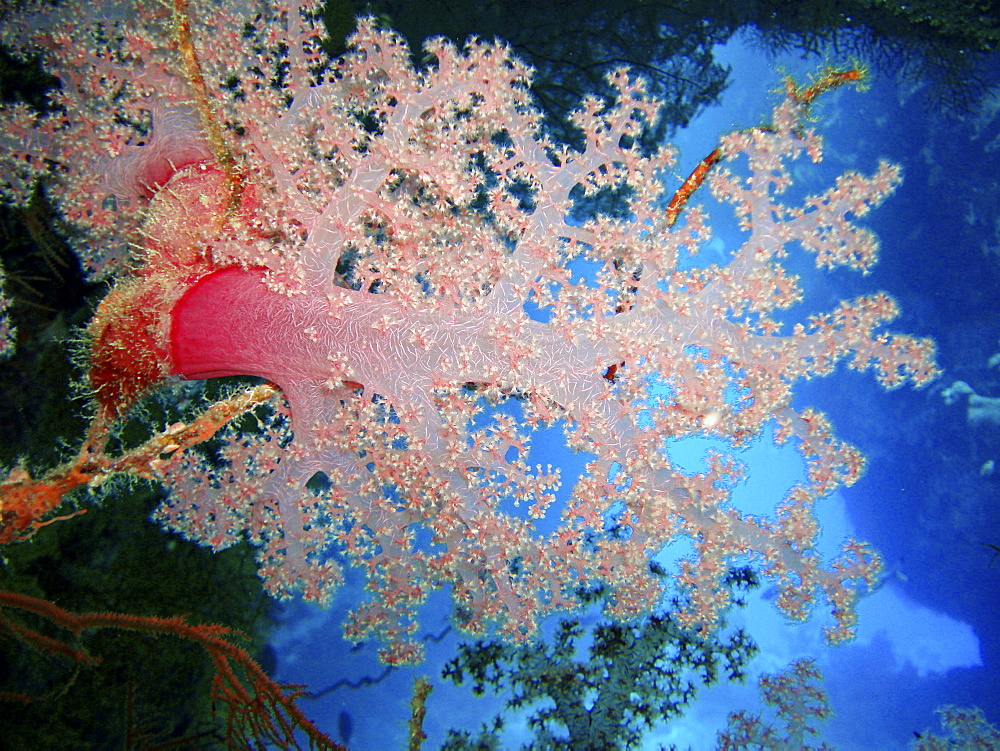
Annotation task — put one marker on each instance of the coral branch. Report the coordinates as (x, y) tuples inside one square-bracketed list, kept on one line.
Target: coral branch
[(800, 702), (25, 501), (259, 710)]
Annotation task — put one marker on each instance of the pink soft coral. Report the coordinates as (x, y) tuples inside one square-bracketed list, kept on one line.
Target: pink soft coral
[(415, 385)]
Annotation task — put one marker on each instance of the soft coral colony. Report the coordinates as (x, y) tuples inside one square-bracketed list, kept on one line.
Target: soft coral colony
[(398, 249)]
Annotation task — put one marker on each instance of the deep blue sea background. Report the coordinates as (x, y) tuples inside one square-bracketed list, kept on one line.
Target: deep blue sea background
[(930, 634)]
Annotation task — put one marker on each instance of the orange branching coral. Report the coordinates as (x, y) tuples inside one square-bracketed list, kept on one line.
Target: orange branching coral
[(258, 709)]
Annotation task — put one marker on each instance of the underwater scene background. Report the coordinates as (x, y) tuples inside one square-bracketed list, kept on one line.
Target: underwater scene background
[(928, 501)]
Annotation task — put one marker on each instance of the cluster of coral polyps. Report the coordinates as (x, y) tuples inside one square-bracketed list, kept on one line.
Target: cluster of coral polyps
[(393, 247)]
